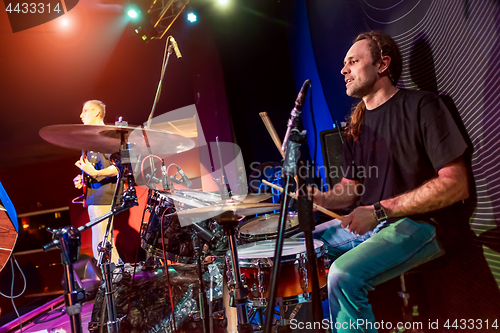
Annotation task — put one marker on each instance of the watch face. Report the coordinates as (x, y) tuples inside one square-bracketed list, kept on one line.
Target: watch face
[(380, 213)]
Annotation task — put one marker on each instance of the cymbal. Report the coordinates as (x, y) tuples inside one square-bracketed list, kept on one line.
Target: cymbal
[(251, 197), (107, 138), (241, 209)]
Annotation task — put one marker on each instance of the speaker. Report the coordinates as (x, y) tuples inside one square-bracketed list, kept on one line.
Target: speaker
[(331, 146)]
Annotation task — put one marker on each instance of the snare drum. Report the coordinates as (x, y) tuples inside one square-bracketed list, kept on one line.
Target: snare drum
[(266, 227), (294, 286)]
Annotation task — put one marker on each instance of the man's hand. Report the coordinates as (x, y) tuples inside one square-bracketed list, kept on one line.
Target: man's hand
[(86, 167), (78, 181), (361, 220), (313, 193)]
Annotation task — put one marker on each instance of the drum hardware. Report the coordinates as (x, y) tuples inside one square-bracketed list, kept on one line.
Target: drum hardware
[(229, 221), (176, 238), (304, 282), (145, 289), (202, 299), (293, 141), (256, 261), (254, 312), (225, 190), (260, 279), (228, 215), (68, 240)]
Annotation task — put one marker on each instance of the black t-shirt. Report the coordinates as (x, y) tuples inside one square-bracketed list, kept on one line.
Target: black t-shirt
[(403, 143), (100, 191)]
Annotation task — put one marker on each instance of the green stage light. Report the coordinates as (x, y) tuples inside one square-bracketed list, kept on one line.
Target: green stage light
[(132, 13)]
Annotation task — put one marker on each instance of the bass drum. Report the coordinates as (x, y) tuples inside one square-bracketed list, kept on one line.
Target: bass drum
[(143, 298)]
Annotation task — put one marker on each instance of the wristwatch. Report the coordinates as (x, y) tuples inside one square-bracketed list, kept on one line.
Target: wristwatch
[(379, 212)]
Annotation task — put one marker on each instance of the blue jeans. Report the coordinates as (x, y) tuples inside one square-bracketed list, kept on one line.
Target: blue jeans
[(362, 262)]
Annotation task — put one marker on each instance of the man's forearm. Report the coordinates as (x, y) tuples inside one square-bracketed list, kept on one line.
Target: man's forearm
[(110, 171), (435, 194), (342, 195)]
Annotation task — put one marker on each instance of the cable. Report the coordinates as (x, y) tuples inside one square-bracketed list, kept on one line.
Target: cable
[(24, 278), (168, 168), (142, 168), (12, 258)]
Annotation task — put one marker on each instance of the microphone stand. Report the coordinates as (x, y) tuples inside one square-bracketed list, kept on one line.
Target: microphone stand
[(306, 223), (202, 295), (229, 222)]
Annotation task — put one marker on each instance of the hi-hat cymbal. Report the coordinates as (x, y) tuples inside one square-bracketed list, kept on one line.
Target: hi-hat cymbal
[(107, 138), (241, 209)]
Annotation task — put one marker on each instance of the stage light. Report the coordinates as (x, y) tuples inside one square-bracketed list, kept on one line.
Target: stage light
[(191, 17), (133, 13), (64, 22), (223, 2)]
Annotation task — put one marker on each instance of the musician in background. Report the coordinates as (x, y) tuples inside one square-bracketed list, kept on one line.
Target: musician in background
[(101, 179), (403, 159)]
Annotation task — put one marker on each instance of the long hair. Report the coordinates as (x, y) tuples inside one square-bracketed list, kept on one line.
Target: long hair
[(381, 45)]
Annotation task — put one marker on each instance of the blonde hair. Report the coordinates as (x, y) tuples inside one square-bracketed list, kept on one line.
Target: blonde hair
[(100, 106)]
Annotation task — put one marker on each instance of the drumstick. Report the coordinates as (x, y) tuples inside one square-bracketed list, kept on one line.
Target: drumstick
[(272, 132), (294, 196)]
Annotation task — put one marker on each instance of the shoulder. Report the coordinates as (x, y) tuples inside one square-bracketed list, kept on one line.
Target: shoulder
[(421, 96)]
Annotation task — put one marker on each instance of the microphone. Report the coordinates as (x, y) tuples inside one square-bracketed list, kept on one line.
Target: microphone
[(176, 47), (299, 103), (164, 176), (184, 178)]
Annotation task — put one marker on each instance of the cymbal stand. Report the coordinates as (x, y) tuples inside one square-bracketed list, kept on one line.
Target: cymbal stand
[(229, 221), (107, 267), (105, 263)]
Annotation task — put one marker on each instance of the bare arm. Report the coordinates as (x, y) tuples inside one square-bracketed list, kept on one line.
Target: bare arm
[(342, 195), (89, 169), (450, 186)]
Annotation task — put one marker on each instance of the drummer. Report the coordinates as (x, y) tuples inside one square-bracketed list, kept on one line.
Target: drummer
[(100, 178), (418, 152)]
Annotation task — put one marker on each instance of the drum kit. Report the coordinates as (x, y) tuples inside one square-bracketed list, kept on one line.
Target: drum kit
[(185, 238)]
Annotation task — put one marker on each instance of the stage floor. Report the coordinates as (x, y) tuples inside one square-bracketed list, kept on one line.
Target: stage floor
[(60, 324)]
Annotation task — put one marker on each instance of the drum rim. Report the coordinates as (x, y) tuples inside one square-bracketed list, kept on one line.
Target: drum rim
[(266, 236), (269, 261), (283, 301)]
